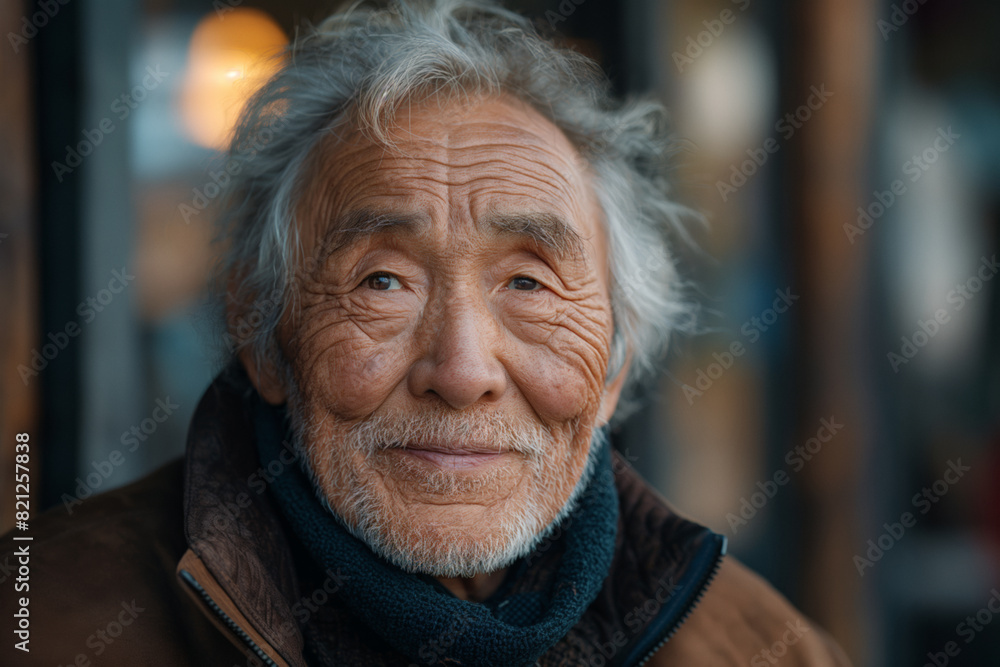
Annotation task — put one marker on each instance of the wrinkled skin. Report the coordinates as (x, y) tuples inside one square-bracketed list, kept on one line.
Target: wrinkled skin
[(441, 311)]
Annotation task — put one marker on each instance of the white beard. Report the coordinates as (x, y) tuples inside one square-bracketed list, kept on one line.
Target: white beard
[(359, 500)]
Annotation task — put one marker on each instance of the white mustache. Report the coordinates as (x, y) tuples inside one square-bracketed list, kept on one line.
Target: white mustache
[(443, 430)]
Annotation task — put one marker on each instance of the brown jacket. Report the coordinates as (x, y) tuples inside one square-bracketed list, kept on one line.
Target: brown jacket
[(192, 566)]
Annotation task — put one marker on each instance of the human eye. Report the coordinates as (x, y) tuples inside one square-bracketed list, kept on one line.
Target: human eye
[(382, 282), (524, 284)]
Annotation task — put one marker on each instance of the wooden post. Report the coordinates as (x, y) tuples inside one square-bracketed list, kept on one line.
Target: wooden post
[(18, 267), (835, 45)]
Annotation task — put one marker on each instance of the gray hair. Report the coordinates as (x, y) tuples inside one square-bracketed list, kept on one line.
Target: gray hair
[(359, 66)]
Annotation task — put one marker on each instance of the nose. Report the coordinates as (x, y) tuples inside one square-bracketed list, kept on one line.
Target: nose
[(460, 363)]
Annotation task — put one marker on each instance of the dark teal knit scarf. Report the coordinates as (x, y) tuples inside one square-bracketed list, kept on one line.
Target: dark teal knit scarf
[(408, 611)]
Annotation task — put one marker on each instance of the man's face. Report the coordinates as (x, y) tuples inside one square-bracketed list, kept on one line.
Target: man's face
[(450, 343)]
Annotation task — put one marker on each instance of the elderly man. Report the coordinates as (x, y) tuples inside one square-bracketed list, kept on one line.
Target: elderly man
[(406, 463)]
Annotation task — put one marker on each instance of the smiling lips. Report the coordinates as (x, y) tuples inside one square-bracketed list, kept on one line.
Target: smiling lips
[(454, 457)]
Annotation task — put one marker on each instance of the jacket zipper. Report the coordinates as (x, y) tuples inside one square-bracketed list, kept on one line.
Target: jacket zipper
[(689, 607), (229, 622)]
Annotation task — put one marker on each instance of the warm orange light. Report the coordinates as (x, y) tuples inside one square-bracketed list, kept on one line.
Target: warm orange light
[(230, 56)]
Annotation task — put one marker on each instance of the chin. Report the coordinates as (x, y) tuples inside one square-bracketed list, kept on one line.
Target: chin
[(451, 550), (444, 521)]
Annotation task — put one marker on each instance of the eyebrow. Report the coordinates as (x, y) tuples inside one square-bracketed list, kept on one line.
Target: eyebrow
[(548, 230), (347, 228), (545, 229)]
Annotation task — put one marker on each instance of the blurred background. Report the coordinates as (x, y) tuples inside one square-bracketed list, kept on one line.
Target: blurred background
[(839, 420)]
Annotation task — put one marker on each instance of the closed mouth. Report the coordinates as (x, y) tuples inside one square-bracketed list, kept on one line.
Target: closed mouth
[(463, 456)]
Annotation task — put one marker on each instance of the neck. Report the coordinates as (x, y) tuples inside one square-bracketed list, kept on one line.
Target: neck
[(474, 589)]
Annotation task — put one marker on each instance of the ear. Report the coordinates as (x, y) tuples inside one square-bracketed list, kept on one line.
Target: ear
[(265, 377), (612, 392)]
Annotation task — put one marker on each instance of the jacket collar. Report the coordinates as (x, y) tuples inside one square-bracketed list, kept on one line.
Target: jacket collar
[(240, 563), (231, 524)]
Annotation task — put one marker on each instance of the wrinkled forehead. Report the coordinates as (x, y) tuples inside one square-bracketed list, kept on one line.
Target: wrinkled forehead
[(453, 164)]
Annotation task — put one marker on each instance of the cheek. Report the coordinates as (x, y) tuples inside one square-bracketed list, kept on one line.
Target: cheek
[(363, 379), (556, 392), (343, 364), (561, 372)]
